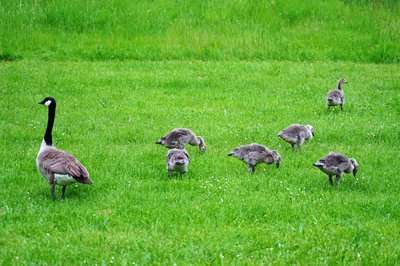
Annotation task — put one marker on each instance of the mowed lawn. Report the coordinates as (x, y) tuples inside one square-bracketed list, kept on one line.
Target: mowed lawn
[(110, 114)]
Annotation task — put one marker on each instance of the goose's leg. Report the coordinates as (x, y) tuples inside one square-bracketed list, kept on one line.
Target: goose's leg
[(63, 191), (292, 145), (330, 180), (341, 107)]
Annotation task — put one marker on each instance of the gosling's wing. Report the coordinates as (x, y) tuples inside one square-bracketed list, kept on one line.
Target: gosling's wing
[(337, 160), (335, 95), (292, 131)]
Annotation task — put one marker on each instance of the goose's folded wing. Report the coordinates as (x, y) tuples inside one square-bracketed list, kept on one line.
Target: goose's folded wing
[(61, 162)]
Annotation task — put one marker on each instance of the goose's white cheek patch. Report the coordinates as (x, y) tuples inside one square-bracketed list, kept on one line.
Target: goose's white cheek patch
[(47, 103)]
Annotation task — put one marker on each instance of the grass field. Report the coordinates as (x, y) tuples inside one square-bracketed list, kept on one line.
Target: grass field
[(125, 73), (111, 113)]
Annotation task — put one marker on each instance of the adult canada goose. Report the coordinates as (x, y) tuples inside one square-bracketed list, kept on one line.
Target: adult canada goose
[(57, 166), (335, 164), (179, 137), (297, 134), (254, 154), (178, 161), (336, 97)]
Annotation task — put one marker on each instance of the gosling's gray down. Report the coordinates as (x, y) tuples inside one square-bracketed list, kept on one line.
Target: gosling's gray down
[(335, 164), (336, 97), (297, 134), (254, 154), (177, 161), (178, 138), (58, 167)]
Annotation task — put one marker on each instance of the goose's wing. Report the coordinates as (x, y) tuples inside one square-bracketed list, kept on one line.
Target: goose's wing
[(61, 162)]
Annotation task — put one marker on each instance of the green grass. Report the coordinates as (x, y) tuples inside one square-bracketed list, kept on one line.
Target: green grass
[(110, 114), (360, 31)]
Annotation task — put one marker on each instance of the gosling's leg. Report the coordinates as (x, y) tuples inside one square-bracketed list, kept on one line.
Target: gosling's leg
[(300, 142), (338, 176), (330, 180), (251, 168)]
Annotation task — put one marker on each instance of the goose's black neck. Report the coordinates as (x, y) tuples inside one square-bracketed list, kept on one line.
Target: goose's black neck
[(50, 122)]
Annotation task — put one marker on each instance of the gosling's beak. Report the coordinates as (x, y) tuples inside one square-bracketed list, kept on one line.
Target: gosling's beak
[(159, 142)]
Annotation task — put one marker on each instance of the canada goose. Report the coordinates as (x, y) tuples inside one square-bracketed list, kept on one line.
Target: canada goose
[(297, 134), (254, 154), (335, 164), (177, 160), (179, 137), (336, 97), (57, 166)]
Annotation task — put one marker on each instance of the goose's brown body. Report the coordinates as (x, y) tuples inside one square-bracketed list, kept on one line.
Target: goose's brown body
[(60, 167)]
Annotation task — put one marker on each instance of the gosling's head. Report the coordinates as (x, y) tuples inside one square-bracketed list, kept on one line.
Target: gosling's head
[(161, 141), (355, 165), (342, 81), (202, 144), (310, 129), (277, 158)]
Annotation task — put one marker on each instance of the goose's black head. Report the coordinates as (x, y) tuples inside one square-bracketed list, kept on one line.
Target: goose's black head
[(48, 101)]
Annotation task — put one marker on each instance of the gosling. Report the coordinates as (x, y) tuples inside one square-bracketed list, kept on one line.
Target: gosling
[(336, 97), (178, 138), (177, 161), (335, 164), (297, 134), (254, 154)]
